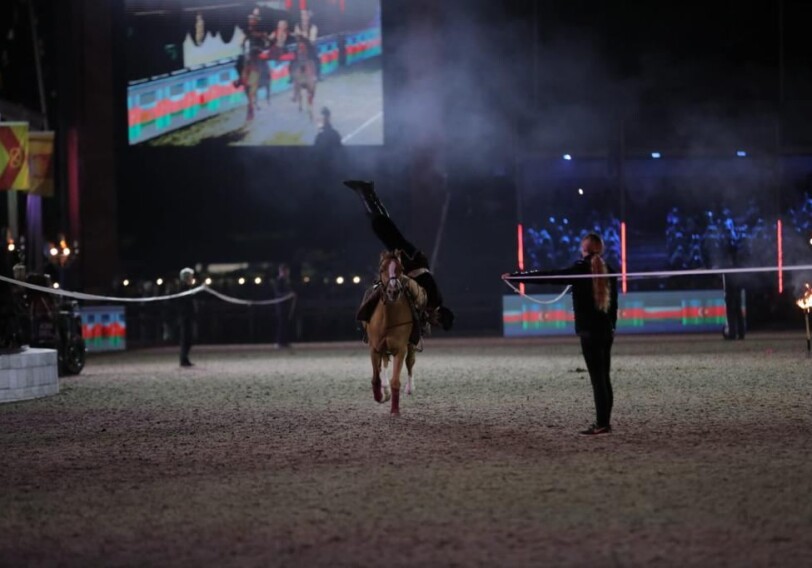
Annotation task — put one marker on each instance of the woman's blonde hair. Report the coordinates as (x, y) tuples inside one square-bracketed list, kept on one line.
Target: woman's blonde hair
[(600, 286)]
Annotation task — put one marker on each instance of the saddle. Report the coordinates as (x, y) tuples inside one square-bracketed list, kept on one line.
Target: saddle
[(420, 317)]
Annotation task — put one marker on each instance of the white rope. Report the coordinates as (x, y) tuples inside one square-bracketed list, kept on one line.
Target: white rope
[(232, 300), (667, 273), (116, 299), (96, 298), (535, 301)]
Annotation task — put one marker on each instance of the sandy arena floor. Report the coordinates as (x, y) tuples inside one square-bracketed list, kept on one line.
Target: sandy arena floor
[(258, 457)]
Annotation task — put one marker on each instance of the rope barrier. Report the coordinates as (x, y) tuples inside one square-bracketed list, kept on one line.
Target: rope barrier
[(722, 271), (233, 300), (667, 273), (534, 300), (191, 292)]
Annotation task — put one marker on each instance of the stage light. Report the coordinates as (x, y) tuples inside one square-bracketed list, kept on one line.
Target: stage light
[(11, 247), (159, 281), (809, 242), (340, 280), (656, 155), (567, 157), (580, 191), (741, 153), (66, 251), (356, 279), (207, 281), (257, 280), (125, 283), (56, 285), (241, 281), (306, 279), (54, 251)]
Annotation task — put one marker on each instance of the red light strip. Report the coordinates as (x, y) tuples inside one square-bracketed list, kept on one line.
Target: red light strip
[(623, 255), (780, 257), (520, 252)]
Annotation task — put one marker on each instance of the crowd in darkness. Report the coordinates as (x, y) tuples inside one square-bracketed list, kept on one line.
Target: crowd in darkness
[(711, 238), (718, 238), (557, 241)]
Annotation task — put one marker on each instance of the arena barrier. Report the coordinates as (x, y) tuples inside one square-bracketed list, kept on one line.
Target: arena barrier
[(104, 328), (683, 311)]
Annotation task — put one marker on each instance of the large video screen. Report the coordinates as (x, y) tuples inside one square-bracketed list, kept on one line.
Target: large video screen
[(258, 73)]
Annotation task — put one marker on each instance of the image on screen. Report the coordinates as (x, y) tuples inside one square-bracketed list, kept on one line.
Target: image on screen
[(258, 73)]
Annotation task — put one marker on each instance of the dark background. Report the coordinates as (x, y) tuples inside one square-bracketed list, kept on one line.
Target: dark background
[(474, 92)]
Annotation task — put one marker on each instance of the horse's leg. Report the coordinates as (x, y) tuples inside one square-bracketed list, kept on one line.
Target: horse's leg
[(297, 93), (387, 391), (311, 93), (376, 375), (397, 366), (267, 82), (409, 367)]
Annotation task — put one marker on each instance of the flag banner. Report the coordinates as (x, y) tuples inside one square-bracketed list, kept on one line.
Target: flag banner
[(14, 172), (41, 163)]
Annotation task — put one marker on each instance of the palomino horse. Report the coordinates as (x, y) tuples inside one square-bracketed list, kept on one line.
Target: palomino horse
[(303, 75), (389, 329)]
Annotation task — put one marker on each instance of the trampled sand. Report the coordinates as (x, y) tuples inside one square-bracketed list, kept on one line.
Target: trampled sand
[(257, 457)]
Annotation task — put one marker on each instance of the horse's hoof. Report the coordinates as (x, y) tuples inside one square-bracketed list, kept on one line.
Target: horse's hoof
[(387, 394), (376, 392)]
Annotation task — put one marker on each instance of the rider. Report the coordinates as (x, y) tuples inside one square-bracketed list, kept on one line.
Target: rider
[(308, 30), (414, 261), (254, 43)]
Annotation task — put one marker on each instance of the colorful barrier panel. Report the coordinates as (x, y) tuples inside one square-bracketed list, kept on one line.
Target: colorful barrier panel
[(686, 311), (104, 328)]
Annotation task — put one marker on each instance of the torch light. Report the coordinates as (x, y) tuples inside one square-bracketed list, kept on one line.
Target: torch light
[(805, 303)]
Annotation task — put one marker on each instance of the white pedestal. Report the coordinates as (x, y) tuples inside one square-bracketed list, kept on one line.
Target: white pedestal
[(30, 374)]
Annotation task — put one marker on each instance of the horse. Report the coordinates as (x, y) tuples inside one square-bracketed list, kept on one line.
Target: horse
[(250, 73), (390, 327), (303, 75)]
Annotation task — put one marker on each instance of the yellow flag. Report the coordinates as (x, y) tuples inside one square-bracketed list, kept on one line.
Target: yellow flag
[(14, 171), (41, 163)]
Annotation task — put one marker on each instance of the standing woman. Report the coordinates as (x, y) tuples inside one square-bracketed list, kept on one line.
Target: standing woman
[(594, 301)]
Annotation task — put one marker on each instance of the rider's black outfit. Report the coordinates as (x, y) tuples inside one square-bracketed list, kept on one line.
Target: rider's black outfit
[(414, 261), (595, 327)]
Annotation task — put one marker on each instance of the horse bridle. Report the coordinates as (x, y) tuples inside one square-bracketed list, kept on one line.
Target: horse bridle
[(387, 293)]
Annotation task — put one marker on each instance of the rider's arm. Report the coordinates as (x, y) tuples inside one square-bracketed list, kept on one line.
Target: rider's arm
[(538, 276)]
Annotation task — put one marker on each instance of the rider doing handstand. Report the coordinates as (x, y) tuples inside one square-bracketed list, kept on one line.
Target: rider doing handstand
[(415, 263)]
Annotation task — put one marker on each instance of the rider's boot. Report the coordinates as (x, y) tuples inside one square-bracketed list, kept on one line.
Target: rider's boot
[(366, 191)]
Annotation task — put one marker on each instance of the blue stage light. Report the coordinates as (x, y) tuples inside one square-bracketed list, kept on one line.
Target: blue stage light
[(741, 153), (567, 157), (655, 155)]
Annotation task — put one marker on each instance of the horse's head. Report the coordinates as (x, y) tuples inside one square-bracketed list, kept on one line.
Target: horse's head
[(390, 270)]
